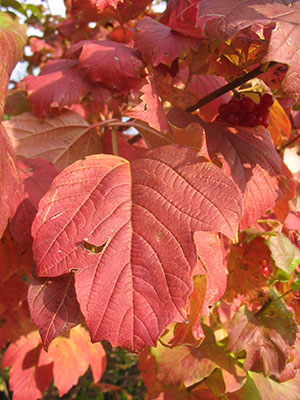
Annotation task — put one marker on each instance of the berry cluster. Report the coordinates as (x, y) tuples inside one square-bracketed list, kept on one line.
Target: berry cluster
[(246, 112)]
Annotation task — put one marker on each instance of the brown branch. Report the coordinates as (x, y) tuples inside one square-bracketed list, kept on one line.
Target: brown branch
[(230, 86)]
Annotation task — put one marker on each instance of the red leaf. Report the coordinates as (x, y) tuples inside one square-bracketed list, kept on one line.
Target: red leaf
[(114, 64), (72, 356), (269, 389), (224, 18), (150, 109), (266, 337), (201, 86), (130, 220), (53, 306), (210, 264), (61, 140), (30, 373), (249, 157), (36, 176), (8, 182), (59, 84), (12, 41), (195, 364), (159, 44)]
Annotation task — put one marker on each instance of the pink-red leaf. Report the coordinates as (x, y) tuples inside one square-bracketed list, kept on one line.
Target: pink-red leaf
[(59, 84), (36, 176), (10, 187), (222, 19), (150, 109), (159, 44), (53, 306), (72, 356), (61, 140), (116, 65), (30, 372), (249, 157), (267, 338), (12, 41), (127, 230)]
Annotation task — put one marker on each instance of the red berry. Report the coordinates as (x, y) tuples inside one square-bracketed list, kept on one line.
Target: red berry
[(247, 104), (233, 118), (266, 100), (223, 111), (248, 118), (234, 106), (265, 269)]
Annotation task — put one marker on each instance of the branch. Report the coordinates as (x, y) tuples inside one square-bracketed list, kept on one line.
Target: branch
[(230, 86)]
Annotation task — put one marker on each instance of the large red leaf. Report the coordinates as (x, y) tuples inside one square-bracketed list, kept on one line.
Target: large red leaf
[(12, 41), (10, 187), (61, 140), (53, 306), (249, 157), (59, 84), (159, 44), (116, 65), (222, 19), (127, 229)]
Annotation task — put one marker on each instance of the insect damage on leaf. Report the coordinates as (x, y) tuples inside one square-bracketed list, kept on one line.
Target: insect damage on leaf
[(93, 248)]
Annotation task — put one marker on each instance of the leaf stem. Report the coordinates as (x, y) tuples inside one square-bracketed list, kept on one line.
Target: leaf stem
[(114, 141), (230, 86), (291, 141)]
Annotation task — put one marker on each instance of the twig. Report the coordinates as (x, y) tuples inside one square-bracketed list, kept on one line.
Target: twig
[(291, 141), (230, 86)]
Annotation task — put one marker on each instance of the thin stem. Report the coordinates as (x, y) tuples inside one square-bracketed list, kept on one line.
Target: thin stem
[(291, 141), (230, 86), (269, 302), (114, 141)]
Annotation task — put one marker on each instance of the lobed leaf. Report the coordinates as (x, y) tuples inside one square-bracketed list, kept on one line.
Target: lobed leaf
[(141, 217), (61, 140)]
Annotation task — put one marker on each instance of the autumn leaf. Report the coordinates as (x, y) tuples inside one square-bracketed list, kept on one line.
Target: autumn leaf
[(194, 364), (12, 42), (150, 109), (145, 237), (53, 306), (59, 84), (223, 19), (159, 44), (267, 337), (249, 157), (61, 140)]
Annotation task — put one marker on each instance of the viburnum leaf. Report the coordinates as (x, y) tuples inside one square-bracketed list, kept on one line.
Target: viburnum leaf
[(285, 255), (190, 331), (127, 230), (36, 176), (267, 337), (210, 263), (61, 139), (8, 181), (195, 364), (30, 370), (202, 85), (53, 306), (116, 65), (12, 42), (223, 19), (249, 157), (159, 44), (150, 109), (72, 356), (12, 291), (60, 83), (270, 389)]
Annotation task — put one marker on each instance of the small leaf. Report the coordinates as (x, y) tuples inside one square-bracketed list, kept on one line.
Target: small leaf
[(285, 255)]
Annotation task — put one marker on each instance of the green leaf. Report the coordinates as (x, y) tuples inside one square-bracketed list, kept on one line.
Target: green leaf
[(285, 255)]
